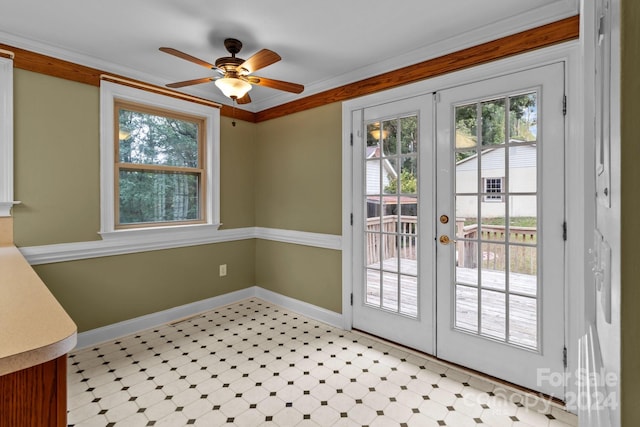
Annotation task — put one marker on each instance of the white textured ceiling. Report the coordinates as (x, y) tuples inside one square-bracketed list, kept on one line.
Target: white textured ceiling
[(323, 44)]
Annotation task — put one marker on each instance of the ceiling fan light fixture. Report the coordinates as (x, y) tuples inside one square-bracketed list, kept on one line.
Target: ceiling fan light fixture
[(232, 87)]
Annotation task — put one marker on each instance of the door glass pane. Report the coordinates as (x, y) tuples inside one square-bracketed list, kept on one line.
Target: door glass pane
[(390, 258), (372, 294), (392, 214), (466, 126), (390, 283), (523, 121), (523, 321), (408, 246), (389, 136), (493, 122), (523, 169), (466, 171), (492, 275), (409, 135), (467, 217), (493, 318), (373, 176), (523, 277), (408, 175), (409, 295), (467, 262), (467, 308)]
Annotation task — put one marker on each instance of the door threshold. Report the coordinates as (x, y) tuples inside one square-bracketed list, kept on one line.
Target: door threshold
[(521, 396)]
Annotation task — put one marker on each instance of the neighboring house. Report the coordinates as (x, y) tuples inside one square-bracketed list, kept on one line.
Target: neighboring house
[(522, 179), (374, 173)]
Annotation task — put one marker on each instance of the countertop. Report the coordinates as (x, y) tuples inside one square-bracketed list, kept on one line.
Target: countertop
[(34, 328)]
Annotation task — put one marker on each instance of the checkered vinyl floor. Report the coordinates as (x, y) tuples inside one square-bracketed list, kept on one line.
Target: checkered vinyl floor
[(253, 363)]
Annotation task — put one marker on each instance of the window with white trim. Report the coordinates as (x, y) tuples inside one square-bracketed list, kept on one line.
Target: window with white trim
[(159, 164), (493, 185)]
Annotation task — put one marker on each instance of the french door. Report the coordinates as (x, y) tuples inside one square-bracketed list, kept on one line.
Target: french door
[(394, 215), (500, 272), (458, 225)]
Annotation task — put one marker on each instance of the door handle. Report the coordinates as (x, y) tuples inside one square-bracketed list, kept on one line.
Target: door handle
[(445, 240)]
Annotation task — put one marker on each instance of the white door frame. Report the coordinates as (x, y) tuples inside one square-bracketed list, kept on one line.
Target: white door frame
[(577, 173)]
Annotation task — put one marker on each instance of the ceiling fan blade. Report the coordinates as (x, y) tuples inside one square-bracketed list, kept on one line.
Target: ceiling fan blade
[(186, 56), (260, 60), (276, 84), (190, 82), (244, 100)]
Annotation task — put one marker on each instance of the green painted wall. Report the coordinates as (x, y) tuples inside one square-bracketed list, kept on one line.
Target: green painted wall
[(57, 177), (299, 171), (101, 291), (630, 268), (57, 155), (299, 187), (309, 274)]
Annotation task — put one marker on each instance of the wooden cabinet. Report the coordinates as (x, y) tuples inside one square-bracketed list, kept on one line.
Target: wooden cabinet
[(35, 396)]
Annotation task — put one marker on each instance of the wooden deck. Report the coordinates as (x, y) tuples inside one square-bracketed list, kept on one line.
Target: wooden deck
[(522, 310)]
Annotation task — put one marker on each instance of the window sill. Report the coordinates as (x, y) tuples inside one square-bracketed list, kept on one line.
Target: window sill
[(176, 233)]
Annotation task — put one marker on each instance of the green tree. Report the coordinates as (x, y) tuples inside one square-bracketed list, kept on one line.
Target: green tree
[(408, 184), (156, 195)]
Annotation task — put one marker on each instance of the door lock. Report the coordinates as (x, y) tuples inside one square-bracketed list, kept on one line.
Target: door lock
[(444, 219)]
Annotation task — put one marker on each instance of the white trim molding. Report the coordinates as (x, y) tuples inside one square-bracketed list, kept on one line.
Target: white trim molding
[(184, 312), (6, 137), (109, 92), (62, 252), (317, 240), (172, 237)]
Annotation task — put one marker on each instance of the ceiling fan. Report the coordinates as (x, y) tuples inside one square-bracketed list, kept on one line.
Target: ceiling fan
[(236, 73)]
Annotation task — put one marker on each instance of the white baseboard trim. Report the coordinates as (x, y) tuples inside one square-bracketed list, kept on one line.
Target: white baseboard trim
[(309, 310), (127, 327), (137, 324)]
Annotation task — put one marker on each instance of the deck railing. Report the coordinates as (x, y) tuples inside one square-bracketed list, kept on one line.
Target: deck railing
[(522, 249), (394, 236), (391, 236)]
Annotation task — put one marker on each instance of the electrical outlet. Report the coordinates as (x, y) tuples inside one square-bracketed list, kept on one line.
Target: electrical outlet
[(223, 270)]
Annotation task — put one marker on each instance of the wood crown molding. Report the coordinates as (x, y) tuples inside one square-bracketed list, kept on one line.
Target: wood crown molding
[(536, 38), (43, 64)]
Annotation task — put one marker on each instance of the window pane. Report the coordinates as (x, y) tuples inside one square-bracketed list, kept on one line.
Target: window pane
[(408, 175), (373, 287), (466, 126), (493, 122), (493, 315), (409, 134), (389, 136), (158, 197), (390, 283), (523, 121), (466, 171), (467, 308), (467, 262), (523, 321), (522, 169), (153, 139), (409, 295)]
